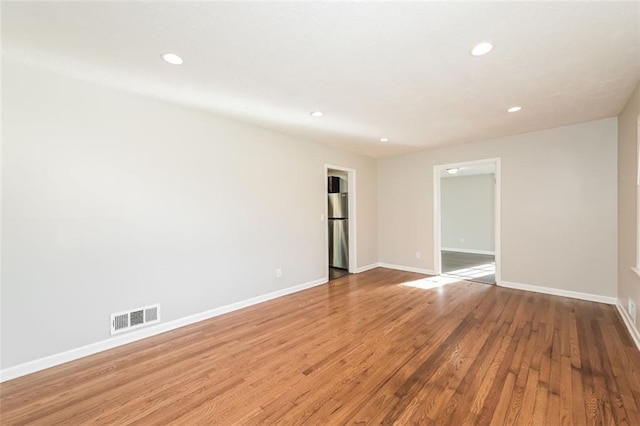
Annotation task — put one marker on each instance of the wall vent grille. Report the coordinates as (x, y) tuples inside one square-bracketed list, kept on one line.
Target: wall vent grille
[(134, 318)]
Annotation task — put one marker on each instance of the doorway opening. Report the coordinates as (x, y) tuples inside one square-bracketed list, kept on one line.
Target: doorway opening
[(467, 220), (340, 196)]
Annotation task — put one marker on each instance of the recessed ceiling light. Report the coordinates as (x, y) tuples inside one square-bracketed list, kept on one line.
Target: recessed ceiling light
[(317, 114), (453, 170), (481, 49), (384, 139), (514, 109), (172, 58)]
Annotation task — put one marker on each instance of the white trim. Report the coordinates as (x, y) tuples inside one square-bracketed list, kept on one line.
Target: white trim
[(437, 255), (367, 268), (353, 238), (459, 250), (559, 292), (123, 339), (406, 268), (437, 264), (636, 269), (497, 244), (633, 331), (638, 160)]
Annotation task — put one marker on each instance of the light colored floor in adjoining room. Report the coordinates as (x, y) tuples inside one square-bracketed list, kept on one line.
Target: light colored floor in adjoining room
[(469, 266)]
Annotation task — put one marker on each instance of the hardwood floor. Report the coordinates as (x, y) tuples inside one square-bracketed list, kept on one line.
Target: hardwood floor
[(469, 266), (364, 349), (335, 273)]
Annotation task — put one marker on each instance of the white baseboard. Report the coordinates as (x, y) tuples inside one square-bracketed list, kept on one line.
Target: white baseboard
[(366, 268), (559, 292), (93, 348), (406, 268), (633, 331), (459, 250)]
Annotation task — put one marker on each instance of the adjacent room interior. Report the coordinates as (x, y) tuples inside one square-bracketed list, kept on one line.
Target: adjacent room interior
[(338, 222), (468, 222), (320, 213)]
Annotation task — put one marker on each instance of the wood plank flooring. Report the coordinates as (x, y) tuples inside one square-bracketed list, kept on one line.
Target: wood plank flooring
[(469, 266), (335, 273), (370, 348)]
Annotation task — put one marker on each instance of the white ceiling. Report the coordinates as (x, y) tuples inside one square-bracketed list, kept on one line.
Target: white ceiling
[(376, 69)]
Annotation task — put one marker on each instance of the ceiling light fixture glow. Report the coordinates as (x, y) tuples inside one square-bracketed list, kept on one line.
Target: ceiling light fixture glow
[(172, 58), (317, 113), (481, 49), (453, 170), (514, 109), (384, 139)]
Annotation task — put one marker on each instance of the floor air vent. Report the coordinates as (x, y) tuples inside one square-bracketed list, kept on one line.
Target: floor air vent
[(134, 318)]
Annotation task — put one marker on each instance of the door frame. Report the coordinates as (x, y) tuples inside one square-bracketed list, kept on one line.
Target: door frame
[(351, 189), (437, 243)]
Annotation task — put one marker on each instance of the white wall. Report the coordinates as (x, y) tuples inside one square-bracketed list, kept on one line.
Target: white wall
[(629, 282), (113, 201), (558, 206), (467, 212)]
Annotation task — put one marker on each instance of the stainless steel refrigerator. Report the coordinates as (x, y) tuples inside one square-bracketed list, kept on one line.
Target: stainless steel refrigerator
[(339, 230)]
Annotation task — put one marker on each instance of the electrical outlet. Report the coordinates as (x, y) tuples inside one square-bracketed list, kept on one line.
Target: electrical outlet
[(278, 272), (632, 310), (418, 255), (461, 240)]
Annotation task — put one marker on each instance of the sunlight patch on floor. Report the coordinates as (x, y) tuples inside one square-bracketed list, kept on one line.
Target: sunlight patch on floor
[(475, 272), (431, 282)]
